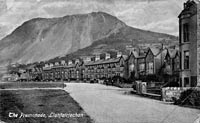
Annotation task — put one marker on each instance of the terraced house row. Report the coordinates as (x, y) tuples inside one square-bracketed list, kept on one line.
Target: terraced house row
[(138, 64), (86, 68)]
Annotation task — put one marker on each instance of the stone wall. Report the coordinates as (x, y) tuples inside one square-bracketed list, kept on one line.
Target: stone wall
[(172, 92)]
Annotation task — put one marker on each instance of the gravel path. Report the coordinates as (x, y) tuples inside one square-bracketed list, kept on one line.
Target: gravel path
[(106, 104)]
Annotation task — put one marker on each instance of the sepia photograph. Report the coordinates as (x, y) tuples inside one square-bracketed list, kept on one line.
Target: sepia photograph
[(99, 61)]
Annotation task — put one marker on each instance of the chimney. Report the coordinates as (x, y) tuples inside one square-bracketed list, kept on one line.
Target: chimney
[(77, 61), (119, 54), (107, 56), (69, 62), (133, 50), (84, 58), (88, 59), (97, 57), (63, 62), (46, 65), (51, 65), (56, 63)]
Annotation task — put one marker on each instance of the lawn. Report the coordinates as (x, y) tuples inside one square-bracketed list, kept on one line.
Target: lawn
[(10, 85), (39, 104)]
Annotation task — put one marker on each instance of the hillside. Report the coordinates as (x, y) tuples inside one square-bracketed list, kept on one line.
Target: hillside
[(42, 39)]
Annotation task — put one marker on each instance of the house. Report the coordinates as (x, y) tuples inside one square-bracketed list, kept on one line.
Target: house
[(141, 65), (173, 60), (171, 66), (160, 59), (189, 42), (104, 67), (10, 77), (131, 65), (151, 61)]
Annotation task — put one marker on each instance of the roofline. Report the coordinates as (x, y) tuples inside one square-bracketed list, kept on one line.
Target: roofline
[(187, 2), (105, 63)]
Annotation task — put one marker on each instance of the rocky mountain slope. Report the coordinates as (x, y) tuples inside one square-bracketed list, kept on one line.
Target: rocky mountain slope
[(42, 39)]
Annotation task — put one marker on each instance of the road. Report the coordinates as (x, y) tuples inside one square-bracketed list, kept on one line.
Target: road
[(107, 104)]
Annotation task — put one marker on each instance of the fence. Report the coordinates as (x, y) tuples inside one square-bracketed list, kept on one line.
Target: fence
[(141, 88), (148, 87)]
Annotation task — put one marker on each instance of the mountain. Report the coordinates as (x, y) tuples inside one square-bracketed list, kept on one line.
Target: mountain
[(41, 39)]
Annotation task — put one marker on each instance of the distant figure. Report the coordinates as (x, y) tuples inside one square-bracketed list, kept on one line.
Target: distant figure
[(112, 82)]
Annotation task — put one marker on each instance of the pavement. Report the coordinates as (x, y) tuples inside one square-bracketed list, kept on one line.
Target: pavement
[(107, 104)]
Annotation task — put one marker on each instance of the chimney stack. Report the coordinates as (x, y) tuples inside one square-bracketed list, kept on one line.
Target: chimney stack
[(56, 63), (97, 57), (77, 61), (88, 59), (63, 62), (46, 65), (51, 65), (107, 56), (69, 62), (119, 54)]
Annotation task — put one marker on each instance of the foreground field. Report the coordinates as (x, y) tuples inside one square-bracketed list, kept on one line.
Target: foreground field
[(15, 85), (40, 106)]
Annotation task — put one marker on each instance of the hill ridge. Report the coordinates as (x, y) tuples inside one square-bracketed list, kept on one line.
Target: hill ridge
[(41, 39)]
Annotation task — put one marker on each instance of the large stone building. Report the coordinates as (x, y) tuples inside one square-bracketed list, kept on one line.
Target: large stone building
[(189, 33)]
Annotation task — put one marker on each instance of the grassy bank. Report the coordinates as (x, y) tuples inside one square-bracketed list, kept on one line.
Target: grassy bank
[(10, 85), (38, 102)]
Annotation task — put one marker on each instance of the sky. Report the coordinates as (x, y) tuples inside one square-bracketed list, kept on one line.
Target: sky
[(153, 15)]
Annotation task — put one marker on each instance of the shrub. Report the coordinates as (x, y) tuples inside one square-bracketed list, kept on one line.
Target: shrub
[(190, 97), (119, 79)]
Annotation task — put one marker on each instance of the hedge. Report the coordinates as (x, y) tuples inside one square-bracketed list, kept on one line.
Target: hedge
[(190, 97)]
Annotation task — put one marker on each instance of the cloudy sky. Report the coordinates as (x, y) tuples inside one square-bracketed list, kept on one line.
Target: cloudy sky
[(154, 15)]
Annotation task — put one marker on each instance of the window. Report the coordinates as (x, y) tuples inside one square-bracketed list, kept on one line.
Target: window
[(131, 67), (186, 81), (199, 71), (186, 59), (186, 32), (150, 68), (141, 67)]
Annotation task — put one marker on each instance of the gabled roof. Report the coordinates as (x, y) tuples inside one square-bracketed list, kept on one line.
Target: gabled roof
[(172, 53), (124, 57), (135, 53), (155, 51), (162, 54)]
